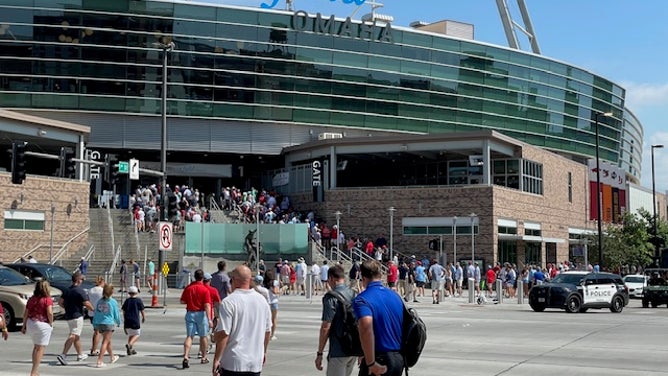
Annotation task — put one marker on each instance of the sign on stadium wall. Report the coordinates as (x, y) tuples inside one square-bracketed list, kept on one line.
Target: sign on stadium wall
[(613, 192)]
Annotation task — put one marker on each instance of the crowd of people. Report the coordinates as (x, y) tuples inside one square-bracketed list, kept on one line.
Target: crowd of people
[(97, 305)]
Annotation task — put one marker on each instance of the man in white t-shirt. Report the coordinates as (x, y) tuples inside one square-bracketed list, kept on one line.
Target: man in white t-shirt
[(317, 283), (244, 328), (324, 269)]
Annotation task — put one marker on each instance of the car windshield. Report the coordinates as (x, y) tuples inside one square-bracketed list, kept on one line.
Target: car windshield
[(574, 279), (10, 277), (634, 279), (54, 273)]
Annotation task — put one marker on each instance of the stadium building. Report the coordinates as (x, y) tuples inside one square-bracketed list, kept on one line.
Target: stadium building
[(402, 116)]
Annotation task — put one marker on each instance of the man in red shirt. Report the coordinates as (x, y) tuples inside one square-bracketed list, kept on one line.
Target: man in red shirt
[(197, 299), (392, 275), (491, 278)]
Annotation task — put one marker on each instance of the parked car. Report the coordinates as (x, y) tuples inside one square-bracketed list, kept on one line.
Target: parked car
[(655, 291), (15, 289), (579, 291), (635, 284), (57, 276)]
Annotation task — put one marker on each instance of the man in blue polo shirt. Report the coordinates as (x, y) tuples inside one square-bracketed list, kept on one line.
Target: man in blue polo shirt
[(380, 314)]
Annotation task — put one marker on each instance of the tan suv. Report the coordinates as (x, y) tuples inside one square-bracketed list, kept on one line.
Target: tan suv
[(15, 289)]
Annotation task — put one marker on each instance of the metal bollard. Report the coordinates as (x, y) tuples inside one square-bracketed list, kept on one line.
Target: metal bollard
[(520, 292), (309, 286), (441, 291), (499, 291), (471, 287)]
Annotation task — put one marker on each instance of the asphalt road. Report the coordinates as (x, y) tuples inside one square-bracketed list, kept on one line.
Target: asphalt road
[(464, 339)]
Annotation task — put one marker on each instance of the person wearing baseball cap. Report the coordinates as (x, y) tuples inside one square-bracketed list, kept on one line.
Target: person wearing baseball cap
[(132, 308)]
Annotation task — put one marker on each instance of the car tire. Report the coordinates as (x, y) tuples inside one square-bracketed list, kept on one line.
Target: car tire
[(583, 310), (654, 304), (9, 318), (537, 307), (573, 304), (617, 304), (645, 303)]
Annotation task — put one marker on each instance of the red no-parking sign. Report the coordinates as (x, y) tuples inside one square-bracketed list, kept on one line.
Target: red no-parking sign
[(165, 236)]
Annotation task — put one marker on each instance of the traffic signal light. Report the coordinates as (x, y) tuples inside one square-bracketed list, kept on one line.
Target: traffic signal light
[(172, 209), (114, 179), (70, 165), (18, 162)]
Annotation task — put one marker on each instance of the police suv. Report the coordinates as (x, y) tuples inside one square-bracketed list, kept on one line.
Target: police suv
[(579, 291)]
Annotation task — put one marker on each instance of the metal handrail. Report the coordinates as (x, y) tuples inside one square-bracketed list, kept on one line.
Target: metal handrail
[(33, 250), (213, 204), (65, 247), (117, 257), (110, 225)]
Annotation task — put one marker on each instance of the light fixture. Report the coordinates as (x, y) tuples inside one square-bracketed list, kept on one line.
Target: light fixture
[(655, 235), (598, 190)]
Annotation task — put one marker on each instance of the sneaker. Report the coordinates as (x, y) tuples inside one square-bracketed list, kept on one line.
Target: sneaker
[(94, 353), (115, 359), (416, 301), (62, 359), (101, 365), (185, 364), (128, 349), (82, 357), (273, 338), (134, 352)]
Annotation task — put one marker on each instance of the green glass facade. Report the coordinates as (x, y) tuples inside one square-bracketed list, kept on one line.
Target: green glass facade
[(252, 65)]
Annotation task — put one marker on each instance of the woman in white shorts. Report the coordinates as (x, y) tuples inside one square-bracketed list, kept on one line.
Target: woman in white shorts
[(38, 319)]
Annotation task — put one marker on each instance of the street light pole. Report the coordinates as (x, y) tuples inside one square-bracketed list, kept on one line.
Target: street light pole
[(454, 239), (598, 191), (656, 242), (53, 217), (473, 217), (163, 143), (257, 245), (163, 130), (391, 209), (338, 231)]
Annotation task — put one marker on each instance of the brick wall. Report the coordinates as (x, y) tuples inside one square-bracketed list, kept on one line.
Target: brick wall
[(365, 210), (38, 194)]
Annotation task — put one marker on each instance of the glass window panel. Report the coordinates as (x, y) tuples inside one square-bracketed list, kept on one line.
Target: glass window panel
[(194, 12), (308, 116), (109, 104), (34, 225), (13, 224)]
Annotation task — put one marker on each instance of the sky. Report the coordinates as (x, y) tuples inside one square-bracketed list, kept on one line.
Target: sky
[(622, 40)]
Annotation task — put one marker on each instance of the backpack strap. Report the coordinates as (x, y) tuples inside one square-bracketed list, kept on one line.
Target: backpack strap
[(406, 314)]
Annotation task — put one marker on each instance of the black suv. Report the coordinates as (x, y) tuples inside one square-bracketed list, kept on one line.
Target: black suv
[(655, 290), (579, 291)]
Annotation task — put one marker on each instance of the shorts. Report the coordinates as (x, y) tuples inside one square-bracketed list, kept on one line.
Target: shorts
[(419, 284), (436, 285), (39, 331), (76, 326), (273, 306), (391, 284), (197, 323), (103, 328), (459, 283), (132, 332), (300, 281)]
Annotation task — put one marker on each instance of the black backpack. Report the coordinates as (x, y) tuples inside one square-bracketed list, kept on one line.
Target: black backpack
[(348, 333), (414, 336)]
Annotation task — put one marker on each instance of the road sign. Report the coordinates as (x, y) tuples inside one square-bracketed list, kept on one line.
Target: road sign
[(123, 167), (165, 234), (165, 269), (134, 169)]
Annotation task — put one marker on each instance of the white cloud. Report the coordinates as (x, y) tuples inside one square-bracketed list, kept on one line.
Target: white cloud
[(645, 94)]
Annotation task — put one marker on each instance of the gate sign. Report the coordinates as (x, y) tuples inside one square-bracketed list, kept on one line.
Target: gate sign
[(165, 235)]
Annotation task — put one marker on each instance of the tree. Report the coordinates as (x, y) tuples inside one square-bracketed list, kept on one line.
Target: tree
[(627, 244)]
